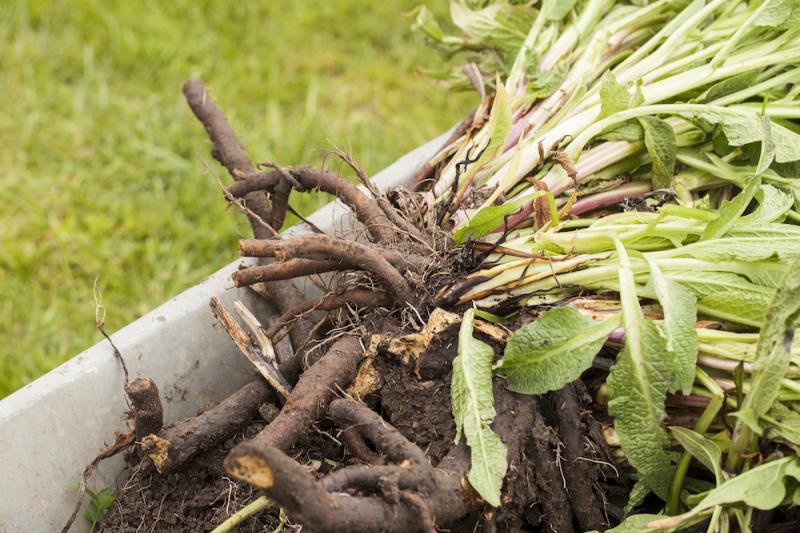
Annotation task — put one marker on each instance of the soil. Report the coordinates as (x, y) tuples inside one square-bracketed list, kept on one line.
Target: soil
[(195, 497)]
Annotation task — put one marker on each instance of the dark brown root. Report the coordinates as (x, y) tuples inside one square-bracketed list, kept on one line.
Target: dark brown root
[(585, 504), (307, 402), (293, 268), (379, 227), (175, 445), (148, 415), (325, 247), (549, 480), (356, 297), (226, 149)]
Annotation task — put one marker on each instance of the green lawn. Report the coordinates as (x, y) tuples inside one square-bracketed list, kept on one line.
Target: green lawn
[(100, 157)]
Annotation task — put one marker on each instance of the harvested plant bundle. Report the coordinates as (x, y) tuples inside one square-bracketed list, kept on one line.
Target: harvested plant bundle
[(600, 270)]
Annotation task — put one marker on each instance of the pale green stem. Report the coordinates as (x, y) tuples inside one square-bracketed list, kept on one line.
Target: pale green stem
[(701, 426), (256, 506)]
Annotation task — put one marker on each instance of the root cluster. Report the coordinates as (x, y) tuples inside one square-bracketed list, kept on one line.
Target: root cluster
[(368, 364)]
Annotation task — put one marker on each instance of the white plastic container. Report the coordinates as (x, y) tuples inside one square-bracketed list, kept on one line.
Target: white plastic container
[(52, 428)]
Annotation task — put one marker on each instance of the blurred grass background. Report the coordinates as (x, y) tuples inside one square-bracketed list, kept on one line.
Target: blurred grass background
[(100, 157)]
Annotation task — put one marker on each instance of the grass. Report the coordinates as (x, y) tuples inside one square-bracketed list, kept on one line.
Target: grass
[(101, 159)]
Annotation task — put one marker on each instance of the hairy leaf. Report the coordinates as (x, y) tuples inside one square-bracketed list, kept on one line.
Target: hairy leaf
[(773, 204), (659, 139), (704, 450), (773, 355), (637, 386), (553, 350), (728, 86), (678, 327), (782, 422), (740, 249), (764, 487), (473, 410), (736, 305), (731, 210)]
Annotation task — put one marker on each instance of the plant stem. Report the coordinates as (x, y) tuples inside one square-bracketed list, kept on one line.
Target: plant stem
[(702, 425), (256, 506)]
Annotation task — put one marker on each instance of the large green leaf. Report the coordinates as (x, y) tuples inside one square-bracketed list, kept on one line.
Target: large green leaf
[(637, 386), (553, 350), (773, 355), (738, 249), (763, 487), (679, 306), (473, 410)]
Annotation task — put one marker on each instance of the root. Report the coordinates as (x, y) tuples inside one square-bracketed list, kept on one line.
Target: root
[(175, 445), (306, 403), (585, 506), (146, 409), (551, 485), (357, 297), (328, 248), (226, 149), (379, 228), (293, 268)]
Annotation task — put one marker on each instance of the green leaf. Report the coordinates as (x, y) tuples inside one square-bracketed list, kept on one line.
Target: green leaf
[(704, 450), (637, 386), (768, 150), (731, 210), (773, 13), (783, 422), (773, 204), (473, 410), (678, 327), (728, 86), (736, 305), (630, 131), (613, 96), (556, 10), (659, 139), (553, 350), (498, 127), (740, 249), (486, 220), (773, 355), (787, 144), (764, 487), (742, 127), (501, 25)]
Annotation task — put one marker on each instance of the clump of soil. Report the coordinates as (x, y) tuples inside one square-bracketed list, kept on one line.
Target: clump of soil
[(198, 496)]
